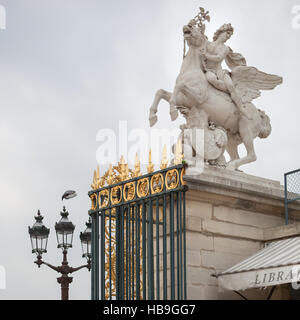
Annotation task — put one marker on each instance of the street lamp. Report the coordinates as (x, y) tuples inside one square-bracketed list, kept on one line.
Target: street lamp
[(64, 232), (39, 235), (86, 241)]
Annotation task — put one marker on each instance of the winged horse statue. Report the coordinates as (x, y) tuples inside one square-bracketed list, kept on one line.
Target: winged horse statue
[(225, 97)]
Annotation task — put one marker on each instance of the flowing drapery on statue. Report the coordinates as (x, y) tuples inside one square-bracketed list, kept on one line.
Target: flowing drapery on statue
[(218, 98)]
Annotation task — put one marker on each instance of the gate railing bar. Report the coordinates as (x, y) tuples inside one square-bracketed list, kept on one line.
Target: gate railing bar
[(127, 253), (150, 253), (95, 264), (165, 248), (137, 236), (102, 253), (178, 239), (110, 234), (157, 250), (144, 248), (118, 258), (172, 246), (180, 246), (122, 250), (184, 248)]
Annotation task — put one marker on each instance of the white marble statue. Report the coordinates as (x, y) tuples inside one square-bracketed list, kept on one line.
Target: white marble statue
[(223, 97)]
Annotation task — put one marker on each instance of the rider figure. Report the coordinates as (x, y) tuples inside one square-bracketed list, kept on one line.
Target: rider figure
[(216, 53)]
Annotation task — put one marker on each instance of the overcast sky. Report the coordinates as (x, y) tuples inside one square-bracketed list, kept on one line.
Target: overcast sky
[(71, 67)]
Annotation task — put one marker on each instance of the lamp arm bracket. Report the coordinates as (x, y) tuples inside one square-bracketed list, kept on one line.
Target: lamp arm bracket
[(72, 270), (57, 269), (39, 262)]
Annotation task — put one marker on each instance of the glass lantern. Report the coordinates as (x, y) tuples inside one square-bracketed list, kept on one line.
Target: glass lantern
[(39, 235), (64, 231), (86, 240)]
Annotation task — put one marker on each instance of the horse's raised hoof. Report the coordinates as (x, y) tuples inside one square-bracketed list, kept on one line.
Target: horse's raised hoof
[(153, 120), (174, 114)]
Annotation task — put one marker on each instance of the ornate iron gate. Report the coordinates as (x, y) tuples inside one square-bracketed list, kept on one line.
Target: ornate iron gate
[(138, 233)]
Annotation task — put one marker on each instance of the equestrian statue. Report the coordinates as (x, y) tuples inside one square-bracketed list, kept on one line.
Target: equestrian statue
[(217, 100)]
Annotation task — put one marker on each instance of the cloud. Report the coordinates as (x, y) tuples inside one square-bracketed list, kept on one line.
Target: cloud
[(70, 68)]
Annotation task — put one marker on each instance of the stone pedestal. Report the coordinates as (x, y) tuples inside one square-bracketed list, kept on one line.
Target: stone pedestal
[(230, 216)]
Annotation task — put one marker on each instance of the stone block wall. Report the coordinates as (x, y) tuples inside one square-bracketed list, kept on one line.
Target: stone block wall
[(227, 222)]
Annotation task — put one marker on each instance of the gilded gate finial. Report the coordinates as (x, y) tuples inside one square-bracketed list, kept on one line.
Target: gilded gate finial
[(150, 167), (123, 169), (121, 172), (97, 182), (137, 166), (164, 160), (98, 173), (110, 179)]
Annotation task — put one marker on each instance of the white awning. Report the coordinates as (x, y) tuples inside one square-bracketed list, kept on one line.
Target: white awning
[(277, 263)]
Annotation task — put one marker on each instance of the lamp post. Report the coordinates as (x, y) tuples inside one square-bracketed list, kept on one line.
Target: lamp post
[(64, 232)]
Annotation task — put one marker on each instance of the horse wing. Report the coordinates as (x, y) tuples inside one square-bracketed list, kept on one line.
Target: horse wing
[(248, 81)]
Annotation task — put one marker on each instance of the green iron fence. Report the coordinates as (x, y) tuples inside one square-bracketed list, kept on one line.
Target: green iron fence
[(139, 238), (291, 190)]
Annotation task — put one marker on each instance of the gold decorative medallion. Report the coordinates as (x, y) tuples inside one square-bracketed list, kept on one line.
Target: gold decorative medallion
[(142, 188), (116, 195), (103, 198), (157, 183), (172, 179), (129, 191)]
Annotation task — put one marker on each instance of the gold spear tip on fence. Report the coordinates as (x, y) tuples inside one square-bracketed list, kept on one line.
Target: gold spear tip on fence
[(137, 160), (150, 167), (122, 160), (137, 166), (164, 160), (98, 173), (123, 169), (110, 174)]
